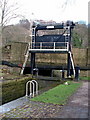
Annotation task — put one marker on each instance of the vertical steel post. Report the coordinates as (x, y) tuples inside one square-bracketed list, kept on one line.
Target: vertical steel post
[(68, 65), (32, 62), (33, 46), (68, 59), (54, 45), (40, 45)]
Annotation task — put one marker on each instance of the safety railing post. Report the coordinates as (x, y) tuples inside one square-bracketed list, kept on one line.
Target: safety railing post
[(40, 45), (54, 45)]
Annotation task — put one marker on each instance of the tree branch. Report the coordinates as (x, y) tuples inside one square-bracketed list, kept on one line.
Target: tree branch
[(8, 12)]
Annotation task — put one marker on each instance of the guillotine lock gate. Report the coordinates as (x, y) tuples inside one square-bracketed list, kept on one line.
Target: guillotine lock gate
[(51, 43)]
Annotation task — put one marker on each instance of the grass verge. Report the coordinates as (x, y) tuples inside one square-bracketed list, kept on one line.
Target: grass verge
[(59, 94), (84, 78)]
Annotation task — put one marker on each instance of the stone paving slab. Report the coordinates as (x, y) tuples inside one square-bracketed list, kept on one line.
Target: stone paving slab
[(77, 107), (13, 104), (34, 110)]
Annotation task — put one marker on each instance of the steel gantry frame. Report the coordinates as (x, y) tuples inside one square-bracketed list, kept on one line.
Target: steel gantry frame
[(39, 47)]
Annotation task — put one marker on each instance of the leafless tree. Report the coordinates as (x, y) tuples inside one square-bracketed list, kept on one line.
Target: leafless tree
[(67, 2), (7, 12)]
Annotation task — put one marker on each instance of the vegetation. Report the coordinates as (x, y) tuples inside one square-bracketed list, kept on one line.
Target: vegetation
[(59, 94), (84, 78), (77, 41), (80, 36), (20, 32), (7, 12)]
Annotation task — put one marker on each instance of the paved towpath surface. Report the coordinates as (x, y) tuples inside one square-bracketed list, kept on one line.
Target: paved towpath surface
[(77, 107)]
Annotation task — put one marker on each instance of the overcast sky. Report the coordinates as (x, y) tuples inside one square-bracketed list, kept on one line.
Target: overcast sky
[(75, 10)]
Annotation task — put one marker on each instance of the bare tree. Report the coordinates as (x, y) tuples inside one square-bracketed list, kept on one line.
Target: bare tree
[(67, 2), (8, 12)]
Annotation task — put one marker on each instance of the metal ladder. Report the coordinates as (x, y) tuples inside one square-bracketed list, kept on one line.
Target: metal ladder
[(67, 34), (32, 38), (26, 58), (32, 90), (32, 29), (67, 39)]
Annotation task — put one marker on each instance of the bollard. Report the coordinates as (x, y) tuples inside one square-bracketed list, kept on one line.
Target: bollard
[(63, 74), (77, 72), (35, 72)]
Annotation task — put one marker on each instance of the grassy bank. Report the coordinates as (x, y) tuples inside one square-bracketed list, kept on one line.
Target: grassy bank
[(85, 78), (59, 94)]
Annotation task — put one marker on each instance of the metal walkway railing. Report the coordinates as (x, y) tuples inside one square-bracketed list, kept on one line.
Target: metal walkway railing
[(60, 46), (31, 90)]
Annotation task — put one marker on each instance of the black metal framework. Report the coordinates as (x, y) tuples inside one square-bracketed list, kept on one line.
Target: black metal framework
[(52, 43)]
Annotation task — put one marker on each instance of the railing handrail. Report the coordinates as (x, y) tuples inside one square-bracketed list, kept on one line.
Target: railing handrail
[(54, 45), (30, 87), (32, 90), (50, 42), (36, 86)]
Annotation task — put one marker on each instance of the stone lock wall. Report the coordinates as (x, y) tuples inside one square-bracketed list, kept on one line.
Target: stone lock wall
[(81, 56), (17, 52)]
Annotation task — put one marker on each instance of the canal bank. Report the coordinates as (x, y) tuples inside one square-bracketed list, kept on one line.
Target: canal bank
[(16, 88), (76, 107)]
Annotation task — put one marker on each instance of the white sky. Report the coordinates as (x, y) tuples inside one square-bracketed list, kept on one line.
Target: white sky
[(76, 10)]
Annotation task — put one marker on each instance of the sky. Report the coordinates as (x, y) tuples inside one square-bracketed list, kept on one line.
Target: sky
[(57, 10)]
